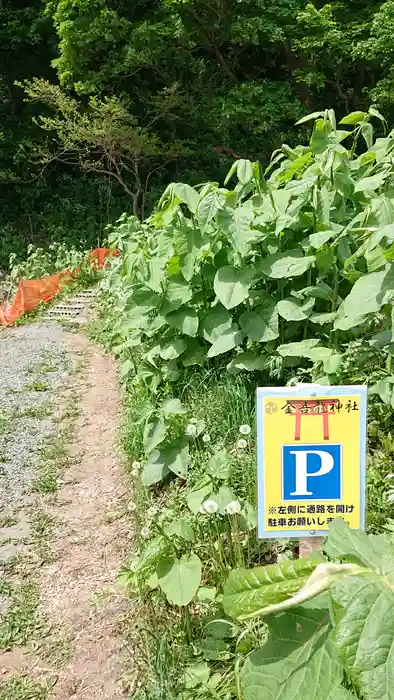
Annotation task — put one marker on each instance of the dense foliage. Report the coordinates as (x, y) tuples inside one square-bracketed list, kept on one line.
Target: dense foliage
[(294, 264), (284, 275), (323, 639), (179, 89)]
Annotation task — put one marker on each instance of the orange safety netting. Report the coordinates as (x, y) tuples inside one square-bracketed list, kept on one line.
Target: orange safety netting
[(30, 293)]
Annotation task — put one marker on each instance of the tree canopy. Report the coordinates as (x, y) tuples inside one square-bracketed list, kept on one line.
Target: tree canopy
[(102, 102)]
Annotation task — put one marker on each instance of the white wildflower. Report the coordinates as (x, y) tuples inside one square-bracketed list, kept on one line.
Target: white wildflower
[(210, 506), (202, 510), (233, 508), (191, 430), (145, 532), (151, 512), (131, 507), (135, 472), (193, 421), (136, 465), (245, 429), (206, 438), (242, 444)]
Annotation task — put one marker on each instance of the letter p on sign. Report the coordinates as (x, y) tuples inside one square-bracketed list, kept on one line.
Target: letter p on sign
[(311, 472)]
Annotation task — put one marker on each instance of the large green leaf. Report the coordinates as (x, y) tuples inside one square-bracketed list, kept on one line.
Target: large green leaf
[(309, 117), (227, 341), (154, 433), (316, 240), (353, 118), (194, 354), (176, 456), (218, 465), (231, 285), (248, 591), (301, 349), (197, 494), (214, 322), (381, 212), (177, 293), (320, 354), (354, 545), (186, 320), (186, 194), (364, 614), (155, 469), (172, 349), (154, 549), (223, 497), (196, 674), (306, 348), (293, 310), (367, 133), (321, 319), (341, 693), (291, 263), (143, 299), (248, 361), (188, 243), (260, 325), (179, 578), (158, 262), (244, 171), (298, 662), (208, 207), (384, 388), (369, 184), (181, 528), (367, 296), (236, 225)]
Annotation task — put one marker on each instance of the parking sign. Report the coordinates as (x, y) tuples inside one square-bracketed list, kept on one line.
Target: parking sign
[(311, 459)]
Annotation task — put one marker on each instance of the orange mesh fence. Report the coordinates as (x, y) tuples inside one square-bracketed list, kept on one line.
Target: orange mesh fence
[(99, 256), (30, 293)]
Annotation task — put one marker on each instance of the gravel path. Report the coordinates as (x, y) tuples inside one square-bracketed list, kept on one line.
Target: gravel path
[(60, 609), (35, 364)]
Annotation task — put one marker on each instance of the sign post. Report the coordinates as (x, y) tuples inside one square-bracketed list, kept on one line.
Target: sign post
[(311, 460)]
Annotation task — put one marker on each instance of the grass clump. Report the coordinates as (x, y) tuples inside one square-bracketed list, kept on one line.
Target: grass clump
[(23, 688), (21, 621)]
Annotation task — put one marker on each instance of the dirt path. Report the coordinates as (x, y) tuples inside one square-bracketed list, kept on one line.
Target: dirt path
[(83, 609)]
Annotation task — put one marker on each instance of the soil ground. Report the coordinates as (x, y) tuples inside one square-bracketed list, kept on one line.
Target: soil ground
[(75, 647)]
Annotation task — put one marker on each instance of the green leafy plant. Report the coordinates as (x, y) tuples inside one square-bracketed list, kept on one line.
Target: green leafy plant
[(40, 262), (330, 626), (278, 277), (285, 268)]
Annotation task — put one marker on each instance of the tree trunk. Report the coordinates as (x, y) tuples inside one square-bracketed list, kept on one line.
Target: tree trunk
[(295, 62)]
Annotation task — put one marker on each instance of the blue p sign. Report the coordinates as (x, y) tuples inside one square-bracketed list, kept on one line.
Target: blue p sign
[(311, 472)]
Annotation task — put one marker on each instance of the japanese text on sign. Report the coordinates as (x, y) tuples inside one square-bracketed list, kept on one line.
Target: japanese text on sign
[(311, 459)]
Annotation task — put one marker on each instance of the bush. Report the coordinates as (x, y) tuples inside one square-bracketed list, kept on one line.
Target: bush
[(286, 277), (281, 271)]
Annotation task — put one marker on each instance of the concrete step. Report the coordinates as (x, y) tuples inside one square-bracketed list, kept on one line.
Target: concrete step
[(67, 309), (88, 294), (75, 309), (72, 304)]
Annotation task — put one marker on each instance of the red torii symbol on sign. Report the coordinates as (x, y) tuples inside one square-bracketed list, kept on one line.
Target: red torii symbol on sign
[(317, 407)]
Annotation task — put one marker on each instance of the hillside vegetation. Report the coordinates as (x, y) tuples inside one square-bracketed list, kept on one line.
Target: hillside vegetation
[(102, 103)]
